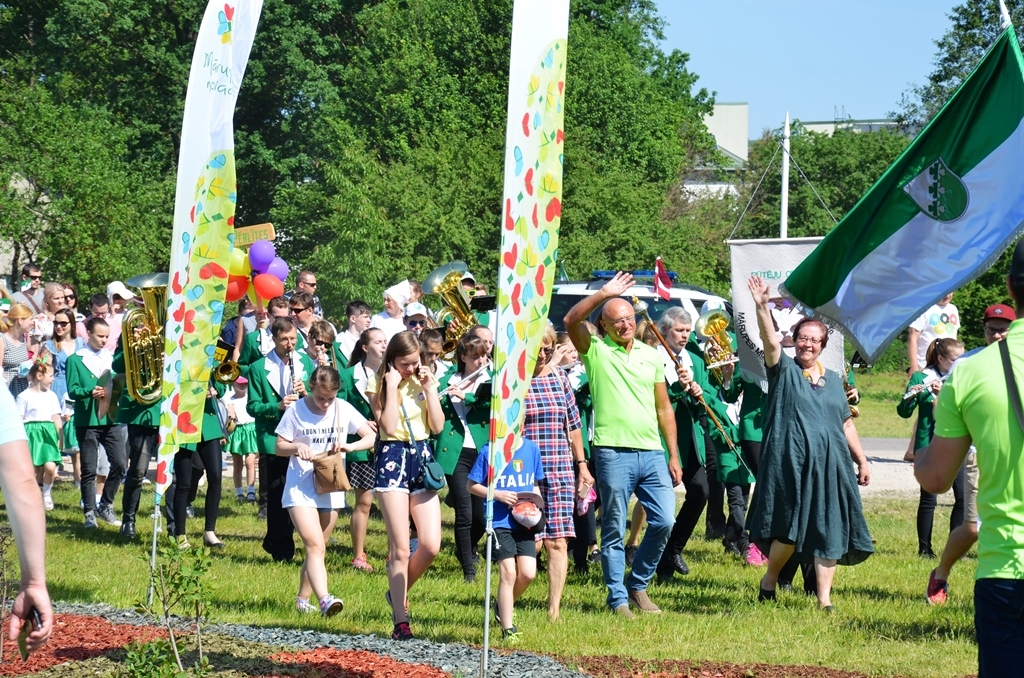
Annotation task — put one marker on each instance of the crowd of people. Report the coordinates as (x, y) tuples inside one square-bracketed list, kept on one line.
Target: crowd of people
[(616, 409)]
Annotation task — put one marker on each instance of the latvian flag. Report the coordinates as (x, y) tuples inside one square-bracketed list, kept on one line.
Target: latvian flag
[(662, 283)]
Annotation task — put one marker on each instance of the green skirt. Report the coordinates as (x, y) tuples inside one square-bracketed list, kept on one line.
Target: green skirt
[(243, 440), (70, 437), (42, 440)]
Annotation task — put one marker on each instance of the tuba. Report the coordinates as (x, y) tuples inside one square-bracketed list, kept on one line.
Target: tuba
[(712, 326), (142, 339), (446, 282), (226, 372)]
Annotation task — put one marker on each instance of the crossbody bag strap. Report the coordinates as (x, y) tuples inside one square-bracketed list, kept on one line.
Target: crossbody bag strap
[(1011, 383)]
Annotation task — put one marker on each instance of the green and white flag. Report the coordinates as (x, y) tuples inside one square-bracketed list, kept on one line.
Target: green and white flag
[(936, 219)]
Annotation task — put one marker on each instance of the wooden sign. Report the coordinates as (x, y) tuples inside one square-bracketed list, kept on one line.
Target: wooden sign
[(247, 235)]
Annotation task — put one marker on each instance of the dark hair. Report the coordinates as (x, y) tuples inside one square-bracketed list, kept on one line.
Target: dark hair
[(942, 347), (431, 336), (30, 268), (277, 302), (357, 308), (37, 367), (72, 325), (245, 304), (472, 331), (280, 326), (304, 274), (304, 299), (322, 330), (1017, 292), (68, 286), (811, 321), (402, 344), (91, 323), (98, 299), (562, 338), (325, 376), (359, 351), (469, 347)]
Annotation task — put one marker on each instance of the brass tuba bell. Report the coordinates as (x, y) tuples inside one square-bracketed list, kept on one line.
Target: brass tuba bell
[(142, 339), (446, 282), (712, 326)]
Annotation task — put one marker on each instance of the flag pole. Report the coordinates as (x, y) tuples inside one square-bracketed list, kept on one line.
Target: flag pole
[(784, 209), (1004, 16)]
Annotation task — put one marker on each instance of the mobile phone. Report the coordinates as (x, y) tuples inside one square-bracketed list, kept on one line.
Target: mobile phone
[(33, 622)]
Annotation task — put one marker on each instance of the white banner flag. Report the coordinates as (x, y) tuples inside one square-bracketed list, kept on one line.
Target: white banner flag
[(773, 260)]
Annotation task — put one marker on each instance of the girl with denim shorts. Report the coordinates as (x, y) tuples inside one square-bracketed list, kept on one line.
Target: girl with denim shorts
[(405, 403)]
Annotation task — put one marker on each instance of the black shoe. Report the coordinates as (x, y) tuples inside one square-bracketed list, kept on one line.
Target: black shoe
[(665, 577), (927, 555), (764, 595), (261, 514), (128, 528), (679, 565), (630, 555), (190, 512), (469, 577), (595, 555), (732, 548)]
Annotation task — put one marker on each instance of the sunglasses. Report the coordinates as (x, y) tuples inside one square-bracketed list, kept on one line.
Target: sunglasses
[(417, 323), (60, 323), (36, 277), (325, 344), (70, 296), (299, 309), (309, 284)]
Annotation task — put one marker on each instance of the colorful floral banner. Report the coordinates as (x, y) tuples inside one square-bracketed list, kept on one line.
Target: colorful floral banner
[(204, 218), (532, 212)]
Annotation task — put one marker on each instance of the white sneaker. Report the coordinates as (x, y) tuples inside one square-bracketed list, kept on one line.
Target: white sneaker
[(47, 502)]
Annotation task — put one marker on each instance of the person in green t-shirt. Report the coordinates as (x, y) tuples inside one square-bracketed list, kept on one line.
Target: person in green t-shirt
[(631, 408), (976, 405)]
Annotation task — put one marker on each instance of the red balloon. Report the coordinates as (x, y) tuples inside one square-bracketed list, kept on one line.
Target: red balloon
[(238, 285), (267, 286)]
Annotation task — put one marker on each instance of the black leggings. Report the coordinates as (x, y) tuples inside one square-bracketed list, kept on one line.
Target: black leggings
[(470, 520), (926, 514), (209, 452)]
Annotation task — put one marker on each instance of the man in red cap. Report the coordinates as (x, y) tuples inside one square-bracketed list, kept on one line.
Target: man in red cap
[(997, 321)]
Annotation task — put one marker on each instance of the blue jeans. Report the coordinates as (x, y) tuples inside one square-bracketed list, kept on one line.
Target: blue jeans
[(620, 473), (999, 627)]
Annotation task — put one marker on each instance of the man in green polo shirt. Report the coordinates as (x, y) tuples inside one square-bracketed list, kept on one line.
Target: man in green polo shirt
[(974, 405), (631, 408)]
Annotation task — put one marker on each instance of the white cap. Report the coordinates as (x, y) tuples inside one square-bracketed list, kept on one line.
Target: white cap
[(400, 292), (117, 287), (416, 308), (468, 276)]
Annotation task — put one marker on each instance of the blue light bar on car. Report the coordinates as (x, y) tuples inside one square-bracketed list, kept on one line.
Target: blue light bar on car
[(608, 275)]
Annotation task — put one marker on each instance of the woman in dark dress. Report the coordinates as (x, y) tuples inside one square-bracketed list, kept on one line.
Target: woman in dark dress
[(806, 503)]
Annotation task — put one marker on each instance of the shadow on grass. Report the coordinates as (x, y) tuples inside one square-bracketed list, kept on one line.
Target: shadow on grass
[(912, 629)]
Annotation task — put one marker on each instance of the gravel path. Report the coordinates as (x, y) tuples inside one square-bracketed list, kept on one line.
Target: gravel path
[(455, 659)]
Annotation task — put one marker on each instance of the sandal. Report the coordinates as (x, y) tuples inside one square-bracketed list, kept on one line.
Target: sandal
[(361, 564)]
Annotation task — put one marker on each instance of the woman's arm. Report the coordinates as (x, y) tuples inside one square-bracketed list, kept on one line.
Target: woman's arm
[(387, 418), (367, 437), (906, 406), (760, 291), (58, 421), (286, 448), (857, 452)]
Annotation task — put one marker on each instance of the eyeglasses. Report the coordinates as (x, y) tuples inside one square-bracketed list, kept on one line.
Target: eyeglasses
[(299, 309), (629, 319), (60, 323), (325, 344), (308, 284), (36, 277), (417, 323), (808, 340), (548, 350), (992, 331)]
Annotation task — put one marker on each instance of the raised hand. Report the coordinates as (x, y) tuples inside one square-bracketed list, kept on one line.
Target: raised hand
[(618, 285), (759, 290)]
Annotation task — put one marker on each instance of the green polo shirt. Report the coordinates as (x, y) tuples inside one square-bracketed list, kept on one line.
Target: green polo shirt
[(622, 385), (974, 402)]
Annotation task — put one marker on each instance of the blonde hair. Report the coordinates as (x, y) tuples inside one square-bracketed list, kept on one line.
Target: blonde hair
[(17, 312)]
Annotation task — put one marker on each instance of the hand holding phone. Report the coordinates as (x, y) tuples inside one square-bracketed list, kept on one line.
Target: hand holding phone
[(33, 622)]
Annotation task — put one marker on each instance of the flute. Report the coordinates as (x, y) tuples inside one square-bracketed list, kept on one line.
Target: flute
[(467, 380), (920, 387)]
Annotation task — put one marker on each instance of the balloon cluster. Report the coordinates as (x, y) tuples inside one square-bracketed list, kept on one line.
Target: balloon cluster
[(262, 266)]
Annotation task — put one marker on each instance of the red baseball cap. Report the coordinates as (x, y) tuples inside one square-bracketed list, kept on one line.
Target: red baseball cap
[(1000, 312)]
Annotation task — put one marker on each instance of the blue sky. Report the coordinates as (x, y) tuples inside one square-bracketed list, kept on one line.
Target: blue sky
[(807, 57)]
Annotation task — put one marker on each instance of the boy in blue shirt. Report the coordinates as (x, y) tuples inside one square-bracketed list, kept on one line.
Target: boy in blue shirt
[(515, 547)]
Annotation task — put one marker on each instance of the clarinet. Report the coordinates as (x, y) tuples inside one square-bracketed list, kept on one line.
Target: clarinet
[(291, 370)]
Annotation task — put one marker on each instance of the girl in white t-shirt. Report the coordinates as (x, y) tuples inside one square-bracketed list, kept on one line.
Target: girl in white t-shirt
[(315, 424), (41, 412)]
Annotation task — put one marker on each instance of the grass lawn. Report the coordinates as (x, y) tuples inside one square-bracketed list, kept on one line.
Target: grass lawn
[(882, 625), (879, 395)]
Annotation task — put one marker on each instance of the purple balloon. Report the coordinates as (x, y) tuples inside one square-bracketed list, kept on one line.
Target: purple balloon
[(278, 269), (261, 255)]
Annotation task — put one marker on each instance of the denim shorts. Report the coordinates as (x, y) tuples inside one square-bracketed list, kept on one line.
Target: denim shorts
[(400, 466)]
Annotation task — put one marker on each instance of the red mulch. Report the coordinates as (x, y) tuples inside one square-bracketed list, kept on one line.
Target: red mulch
[(74, 638), (330, 663)]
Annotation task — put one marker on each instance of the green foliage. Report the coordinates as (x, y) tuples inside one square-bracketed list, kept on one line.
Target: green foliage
[(975, 26), (150, 660), (179, 582)]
